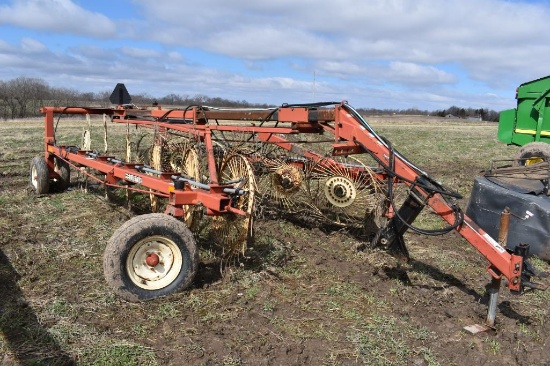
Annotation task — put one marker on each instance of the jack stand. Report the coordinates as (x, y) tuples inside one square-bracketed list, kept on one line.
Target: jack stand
[(494, 287), (493, 299), (495, 282)]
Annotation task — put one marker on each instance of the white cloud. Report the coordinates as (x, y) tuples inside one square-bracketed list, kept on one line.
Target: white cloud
[(487, 38), (61, 16), (411, 73), (370, 51), (175, 56), (140, 52), (5, 46), (91, 52), (33, 46), (340, 68)]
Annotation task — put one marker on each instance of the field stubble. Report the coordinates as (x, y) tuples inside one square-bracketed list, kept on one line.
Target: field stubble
[(304, 296)]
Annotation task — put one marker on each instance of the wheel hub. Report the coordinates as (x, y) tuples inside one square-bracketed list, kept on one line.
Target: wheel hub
[(340, 191), (154, 263), (176, 160), (152, 260), (287, 180)]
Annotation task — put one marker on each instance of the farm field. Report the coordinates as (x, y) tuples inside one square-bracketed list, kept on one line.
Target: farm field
[(303, 296)]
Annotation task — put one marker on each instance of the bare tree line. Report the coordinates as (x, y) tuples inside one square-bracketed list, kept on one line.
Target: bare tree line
[(482, 114), (23, 97)]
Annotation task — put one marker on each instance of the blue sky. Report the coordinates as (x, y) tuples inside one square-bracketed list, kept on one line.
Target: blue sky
[(427, 54)]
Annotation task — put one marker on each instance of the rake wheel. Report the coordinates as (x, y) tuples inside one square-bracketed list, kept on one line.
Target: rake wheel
[(286, 180), (186, 161), (166, 155), (281, 180), (232, 231), (343, 190), (157, 153), (86, 140), (139, 144)]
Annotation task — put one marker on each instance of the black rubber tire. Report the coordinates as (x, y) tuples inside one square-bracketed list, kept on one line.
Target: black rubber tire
[(62, 168), (533, 150), (39, 175), (132, 233)]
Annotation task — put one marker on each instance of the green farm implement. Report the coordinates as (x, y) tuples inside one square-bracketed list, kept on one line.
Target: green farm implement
[(528, 125)]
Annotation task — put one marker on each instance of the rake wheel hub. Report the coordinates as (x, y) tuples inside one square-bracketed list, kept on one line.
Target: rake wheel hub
[(340, 191), (287, 180)]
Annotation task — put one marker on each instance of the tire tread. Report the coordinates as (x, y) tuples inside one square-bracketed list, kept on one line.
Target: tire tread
[(119, 245), (43, 175)]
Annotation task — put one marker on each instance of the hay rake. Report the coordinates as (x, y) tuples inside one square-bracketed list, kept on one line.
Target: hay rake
[(320, 160)]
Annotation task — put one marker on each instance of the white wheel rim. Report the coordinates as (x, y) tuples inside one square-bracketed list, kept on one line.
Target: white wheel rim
[(34, 177), (160, 275)]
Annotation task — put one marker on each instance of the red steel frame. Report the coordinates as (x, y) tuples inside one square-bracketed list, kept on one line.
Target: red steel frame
[(350, 137)]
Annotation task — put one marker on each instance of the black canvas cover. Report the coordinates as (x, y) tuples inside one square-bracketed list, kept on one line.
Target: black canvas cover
[(530, 208)]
